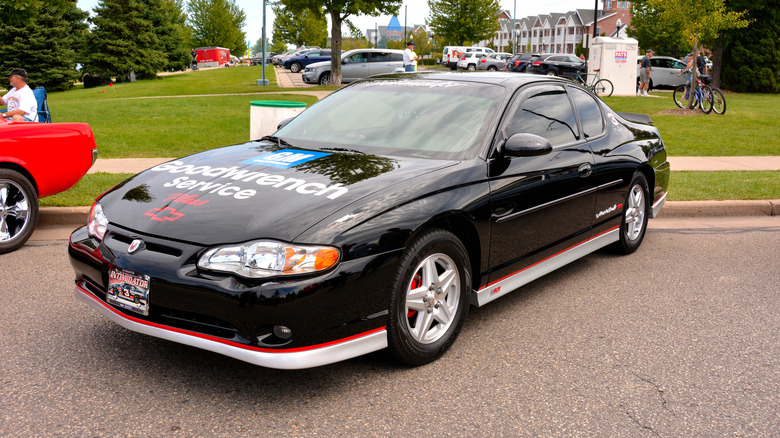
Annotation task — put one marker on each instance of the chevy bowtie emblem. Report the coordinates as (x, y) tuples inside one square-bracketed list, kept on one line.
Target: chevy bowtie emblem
[(134, 245)]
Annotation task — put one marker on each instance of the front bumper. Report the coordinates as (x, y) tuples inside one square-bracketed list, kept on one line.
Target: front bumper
[(334, 316), (288, 359)]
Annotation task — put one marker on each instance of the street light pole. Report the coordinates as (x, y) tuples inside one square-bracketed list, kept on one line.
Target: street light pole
[(263, 81), (514, 33)]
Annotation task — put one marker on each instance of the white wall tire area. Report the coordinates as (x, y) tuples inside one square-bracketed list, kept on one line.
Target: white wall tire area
[(18, 210), (636, 212), (430, 298)]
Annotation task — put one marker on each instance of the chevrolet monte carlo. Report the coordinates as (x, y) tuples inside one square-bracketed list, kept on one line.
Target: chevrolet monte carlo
[(373, 219)]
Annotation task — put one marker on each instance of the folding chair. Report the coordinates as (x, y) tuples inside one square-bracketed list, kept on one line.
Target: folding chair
[(44, 115)]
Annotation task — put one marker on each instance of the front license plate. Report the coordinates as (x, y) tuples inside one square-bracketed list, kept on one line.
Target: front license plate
[(128, 290)]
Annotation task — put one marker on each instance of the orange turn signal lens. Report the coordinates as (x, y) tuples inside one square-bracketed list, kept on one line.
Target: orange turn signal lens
[(326, 257)]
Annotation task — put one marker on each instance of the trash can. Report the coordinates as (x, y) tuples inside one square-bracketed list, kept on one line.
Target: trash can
[(266, 115)]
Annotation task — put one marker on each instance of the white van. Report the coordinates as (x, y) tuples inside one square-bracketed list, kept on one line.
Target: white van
[(451, 54)]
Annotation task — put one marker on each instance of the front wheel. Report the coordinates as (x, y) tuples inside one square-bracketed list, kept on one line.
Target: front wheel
[(706, 99), (636, 212), (295, 67), (603, 88), (430, 298), (679, 97), (18, 210), (718, 101), (324, 79)]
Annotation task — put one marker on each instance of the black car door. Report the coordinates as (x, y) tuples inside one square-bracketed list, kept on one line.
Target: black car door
[(541, 205)]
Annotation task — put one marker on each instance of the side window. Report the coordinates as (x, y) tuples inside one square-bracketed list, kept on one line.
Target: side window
[(357, 57), (546, 112), (589, 111), (396, 57)]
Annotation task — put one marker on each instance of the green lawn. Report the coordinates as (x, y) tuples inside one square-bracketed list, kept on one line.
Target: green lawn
[(186, 113)]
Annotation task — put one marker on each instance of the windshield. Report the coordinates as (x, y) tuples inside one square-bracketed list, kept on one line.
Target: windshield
[(407, 117)]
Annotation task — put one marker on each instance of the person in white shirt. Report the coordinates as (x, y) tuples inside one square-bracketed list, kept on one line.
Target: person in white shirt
[(410, 58), (22, 106)]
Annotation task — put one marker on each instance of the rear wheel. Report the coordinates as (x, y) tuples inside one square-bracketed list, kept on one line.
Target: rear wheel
[(492, 68), (18, 210), (706, 101), (471, 67), (430, 298), (603, 88), (295, 67), (325, 78), (679, 97), (718, 101), (636, 212), (551, 73)]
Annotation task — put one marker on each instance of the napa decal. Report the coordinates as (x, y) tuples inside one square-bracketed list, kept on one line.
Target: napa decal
[(285, 158), (238, 182)]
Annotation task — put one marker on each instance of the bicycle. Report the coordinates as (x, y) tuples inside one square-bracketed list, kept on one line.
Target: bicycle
[(599, 87), (702, 95), (718, 102)]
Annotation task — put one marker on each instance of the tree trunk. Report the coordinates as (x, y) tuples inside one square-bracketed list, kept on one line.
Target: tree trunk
[(335, 48), (694, 76)]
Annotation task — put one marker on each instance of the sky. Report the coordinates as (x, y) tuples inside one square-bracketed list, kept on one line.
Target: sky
[(416, 13)]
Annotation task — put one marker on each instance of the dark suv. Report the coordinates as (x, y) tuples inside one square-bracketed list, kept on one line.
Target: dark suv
[(518, 62), (556, 64)]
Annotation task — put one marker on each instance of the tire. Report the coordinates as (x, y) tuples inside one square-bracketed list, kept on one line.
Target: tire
[(295, 67), (18, 210), (679, 97), (492, 68), (324, 79), (430, 298), (706, 103), (603, 88), (718, 101), (636, 212), (471, 67), (551, 73)]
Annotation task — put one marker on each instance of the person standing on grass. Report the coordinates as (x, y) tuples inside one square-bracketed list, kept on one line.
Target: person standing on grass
[(22, 106), (410, 58), (644, 74)]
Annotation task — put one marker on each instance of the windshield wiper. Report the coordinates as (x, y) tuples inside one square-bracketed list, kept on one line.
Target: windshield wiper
[(279, 141), (342, 150)]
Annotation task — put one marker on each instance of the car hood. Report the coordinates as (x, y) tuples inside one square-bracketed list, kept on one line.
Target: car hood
[(257, 190)]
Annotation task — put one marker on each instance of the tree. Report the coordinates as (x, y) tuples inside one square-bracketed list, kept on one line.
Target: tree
[(698, 20), (46, 44), (217, 23), (340, 10), (653, 33), (461, 21), (124, 41), (305, 28), (422, 43), (170, 23), (749, 57)]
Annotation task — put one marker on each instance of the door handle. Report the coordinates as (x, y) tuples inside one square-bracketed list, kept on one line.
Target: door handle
[(585, 170)]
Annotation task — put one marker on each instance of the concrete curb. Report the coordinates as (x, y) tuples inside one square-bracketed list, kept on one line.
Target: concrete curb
[(76, 216)]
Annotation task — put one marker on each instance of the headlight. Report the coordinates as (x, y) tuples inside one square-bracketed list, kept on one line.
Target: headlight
[(97, 221), (265, 258)]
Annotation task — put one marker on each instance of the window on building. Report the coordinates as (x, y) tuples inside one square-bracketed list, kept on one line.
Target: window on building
[(608, 4)]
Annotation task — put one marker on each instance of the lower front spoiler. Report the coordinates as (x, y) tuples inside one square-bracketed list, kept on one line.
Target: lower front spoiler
[(290, 359)]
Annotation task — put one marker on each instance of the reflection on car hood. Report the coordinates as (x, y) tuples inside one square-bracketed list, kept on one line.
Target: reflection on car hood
[(254, 190)]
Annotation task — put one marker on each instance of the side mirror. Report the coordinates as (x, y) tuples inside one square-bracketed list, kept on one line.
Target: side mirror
[(283, 122), (343, 61), (526, 145)]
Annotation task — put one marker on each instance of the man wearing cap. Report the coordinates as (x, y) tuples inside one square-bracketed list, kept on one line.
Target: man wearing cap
[(410, 58), (22, 106), (644, 74)]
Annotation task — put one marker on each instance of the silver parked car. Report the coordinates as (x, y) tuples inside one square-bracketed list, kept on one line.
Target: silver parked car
[(356, 64), (664, 72), (494, 61)]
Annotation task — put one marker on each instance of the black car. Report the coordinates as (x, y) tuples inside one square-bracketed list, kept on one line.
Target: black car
[(374, 219), (519, 62), (556, 64)]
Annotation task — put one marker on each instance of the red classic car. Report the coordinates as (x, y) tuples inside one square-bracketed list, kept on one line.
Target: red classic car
[(37, 160)]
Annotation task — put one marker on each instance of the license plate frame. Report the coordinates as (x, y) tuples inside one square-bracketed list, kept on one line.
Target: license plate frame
[(128, 290)]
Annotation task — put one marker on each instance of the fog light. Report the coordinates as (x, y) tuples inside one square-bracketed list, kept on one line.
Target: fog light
[(282, 332)]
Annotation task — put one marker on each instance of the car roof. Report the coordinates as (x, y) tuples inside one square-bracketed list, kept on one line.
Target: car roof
[(506, 79)]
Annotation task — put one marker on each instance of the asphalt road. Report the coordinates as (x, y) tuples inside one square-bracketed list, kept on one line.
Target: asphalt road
[(679, 339)]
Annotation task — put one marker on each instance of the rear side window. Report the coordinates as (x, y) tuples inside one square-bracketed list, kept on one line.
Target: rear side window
[(589, 112), (546, 112)]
